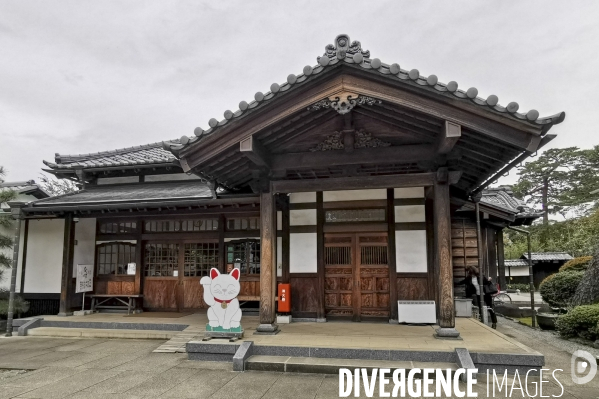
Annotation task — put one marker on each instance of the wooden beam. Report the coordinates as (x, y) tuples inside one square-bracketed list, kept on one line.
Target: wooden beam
[(442, 252), (268, 266), (254, 151), (501, 259), (354, 183), (66, 281), (449, 136), (365, 156)]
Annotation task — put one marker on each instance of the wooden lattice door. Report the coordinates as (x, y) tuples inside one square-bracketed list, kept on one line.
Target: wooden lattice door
[(356, 276)]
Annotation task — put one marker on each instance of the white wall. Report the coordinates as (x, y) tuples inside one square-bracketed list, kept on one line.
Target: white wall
[(44, 256), (516, 271), (297, 198), (302, 217), (171, 177), (302, 253), (410, 251), (410, 245), (85, 243)]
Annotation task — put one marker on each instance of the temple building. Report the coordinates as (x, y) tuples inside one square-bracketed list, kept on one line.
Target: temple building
[(357, 182)]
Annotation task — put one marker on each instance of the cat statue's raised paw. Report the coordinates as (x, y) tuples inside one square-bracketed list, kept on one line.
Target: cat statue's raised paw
[(220, 294)]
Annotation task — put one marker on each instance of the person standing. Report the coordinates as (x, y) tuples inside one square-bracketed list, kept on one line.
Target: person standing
[(473, 291)]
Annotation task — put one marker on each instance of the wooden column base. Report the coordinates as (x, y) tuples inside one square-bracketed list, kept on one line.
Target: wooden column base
[(267, 329), (64, 314)]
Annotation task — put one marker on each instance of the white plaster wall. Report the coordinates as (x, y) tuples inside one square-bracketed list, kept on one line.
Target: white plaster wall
[(279, 220), (516, 271), (297, 198), (302, 253), (279, 256), (44, 256), (302, 217), (409, 213), (411, 251), (354, 195), (10, 232), (85, 247), (171, 177), (409, 192)]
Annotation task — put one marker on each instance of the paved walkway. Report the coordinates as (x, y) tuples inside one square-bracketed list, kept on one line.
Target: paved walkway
[(104, 369), (476, 337)]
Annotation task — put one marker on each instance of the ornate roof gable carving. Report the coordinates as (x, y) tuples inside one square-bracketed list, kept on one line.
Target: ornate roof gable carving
[(362, 139), (344, 102)]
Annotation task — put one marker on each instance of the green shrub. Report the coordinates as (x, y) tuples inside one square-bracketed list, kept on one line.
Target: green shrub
[(521, 287), (581, 321), (21, 306), (557, 289), (577, 264)]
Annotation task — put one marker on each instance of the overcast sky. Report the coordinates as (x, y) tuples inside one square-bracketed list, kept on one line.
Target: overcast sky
[(83, 76)]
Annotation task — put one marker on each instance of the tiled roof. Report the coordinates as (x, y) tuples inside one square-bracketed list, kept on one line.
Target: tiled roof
[(140, 155), (119, 193), (516, 263), (503, 198), (25, 187), (540, 256), (352, 54)]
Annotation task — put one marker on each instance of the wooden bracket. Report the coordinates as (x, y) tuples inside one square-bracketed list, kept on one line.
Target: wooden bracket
[(449, 136), (254, 151)]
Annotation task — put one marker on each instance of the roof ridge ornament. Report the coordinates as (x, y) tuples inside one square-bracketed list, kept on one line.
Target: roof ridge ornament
[(342, 47)]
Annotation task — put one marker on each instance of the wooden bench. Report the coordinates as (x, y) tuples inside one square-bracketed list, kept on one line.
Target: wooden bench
[(129, 302)]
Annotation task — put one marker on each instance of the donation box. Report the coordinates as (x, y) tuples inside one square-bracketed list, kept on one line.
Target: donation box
[(284, 298)]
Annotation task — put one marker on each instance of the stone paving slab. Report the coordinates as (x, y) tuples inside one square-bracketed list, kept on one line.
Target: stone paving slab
[(73, 384)]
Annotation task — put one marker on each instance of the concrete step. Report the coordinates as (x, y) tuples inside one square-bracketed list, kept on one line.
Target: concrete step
[(317, 365), (101, 333)]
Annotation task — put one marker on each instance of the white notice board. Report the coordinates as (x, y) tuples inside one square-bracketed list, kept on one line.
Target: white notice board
[(85, 278)]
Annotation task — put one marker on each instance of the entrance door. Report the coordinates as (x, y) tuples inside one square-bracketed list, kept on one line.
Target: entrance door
[(172, 273), (356, 276)]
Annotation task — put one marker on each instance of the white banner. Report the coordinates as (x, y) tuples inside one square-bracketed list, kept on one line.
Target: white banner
[(85, 278)]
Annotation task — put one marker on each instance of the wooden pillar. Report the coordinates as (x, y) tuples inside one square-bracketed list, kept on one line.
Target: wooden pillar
[(268, 264), (443, 264), (285, 239), (24, 259), (66, 281), (501, 260), (138, 258), (391, 254), (17, 214), (320, 313), (492, 254), (222, 248)]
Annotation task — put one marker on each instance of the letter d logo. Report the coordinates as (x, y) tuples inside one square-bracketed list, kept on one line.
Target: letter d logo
[(580, 366)]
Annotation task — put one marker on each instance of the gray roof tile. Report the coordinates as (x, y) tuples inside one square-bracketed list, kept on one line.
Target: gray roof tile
[(147, 154), (540, 256), (352, 54)]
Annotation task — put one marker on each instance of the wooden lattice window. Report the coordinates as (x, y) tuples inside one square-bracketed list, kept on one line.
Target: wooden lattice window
[(169, 226), (161, 259), (244, 255), (199, 258), (243, 223), (129, 227), (113, 257)]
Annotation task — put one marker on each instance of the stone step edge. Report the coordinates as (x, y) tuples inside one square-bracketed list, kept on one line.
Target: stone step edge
[(287, 364), (101, 333)]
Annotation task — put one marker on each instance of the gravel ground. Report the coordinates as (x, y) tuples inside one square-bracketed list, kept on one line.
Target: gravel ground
[(544, 337)]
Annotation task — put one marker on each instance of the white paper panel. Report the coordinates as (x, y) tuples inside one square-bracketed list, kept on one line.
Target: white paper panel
[(354, 195), (302, 217), (279, 256), (409, 192), (85, 250), (409, 213), (411, 251), (302, 253), (296, 198), (44, 256)]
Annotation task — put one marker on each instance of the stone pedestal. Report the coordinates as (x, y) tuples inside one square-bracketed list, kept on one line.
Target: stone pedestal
[(267, 329), (447, 333)]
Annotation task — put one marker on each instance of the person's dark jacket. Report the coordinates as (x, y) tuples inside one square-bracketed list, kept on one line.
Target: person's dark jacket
[(470, 288)]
